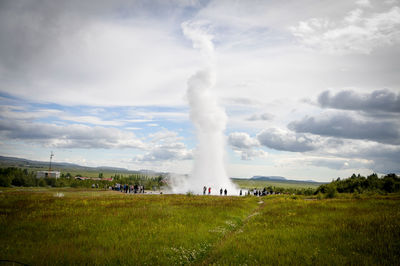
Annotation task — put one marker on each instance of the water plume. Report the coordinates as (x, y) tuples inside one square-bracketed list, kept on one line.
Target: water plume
[(208, 117)]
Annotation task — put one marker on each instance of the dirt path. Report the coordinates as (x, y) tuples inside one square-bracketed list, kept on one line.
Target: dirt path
[(209, 257)]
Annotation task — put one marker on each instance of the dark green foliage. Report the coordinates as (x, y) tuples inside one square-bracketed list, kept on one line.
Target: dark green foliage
[(17, 177), (331, 191), (358, 184), (13, 176)]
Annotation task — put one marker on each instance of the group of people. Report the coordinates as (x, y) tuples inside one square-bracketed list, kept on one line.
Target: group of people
[(255, 192), (128, 188), (225, 191)]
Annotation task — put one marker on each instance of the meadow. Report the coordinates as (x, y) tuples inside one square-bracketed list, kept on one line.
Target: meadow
[(260, 184), (42, 226)]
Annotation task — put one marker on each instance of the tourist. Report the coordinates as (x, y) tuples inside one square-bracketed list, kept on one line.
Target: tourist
[(204, 190), (209, 190), (240, 194), (220, 192), (225, 192)]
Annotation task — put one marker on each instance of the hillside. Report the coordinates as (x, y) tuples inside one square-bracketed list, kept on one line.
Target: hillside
[(64, 167)]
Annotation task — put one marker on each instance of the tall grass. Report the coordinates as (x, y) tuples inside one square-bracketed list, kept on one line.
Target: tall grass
[(67, 226), (84, 227), (319, 232)]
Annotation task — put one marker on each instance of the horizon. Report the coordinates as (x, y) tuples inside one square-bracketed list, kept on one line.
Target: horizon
[(311, 91), (105, 167)]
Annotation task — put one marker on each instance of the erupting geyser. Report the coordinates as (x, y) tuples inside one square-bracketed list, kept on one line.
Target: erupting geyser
[(209, 119)]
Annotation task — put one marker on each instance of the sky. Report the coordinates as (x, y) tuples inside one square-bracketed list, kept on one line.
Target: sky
[(311, 88)]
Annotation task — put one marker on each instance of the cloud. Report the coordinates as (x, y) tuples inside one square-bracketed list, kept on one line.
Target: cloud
[(68, 136), (364, 3), (283, 140), (250, 154), (339, 163), (323, 161), (163, 153), (241, 140), (356, 33), (165, 145), (246, 146), (346, 126), (98, 53), (260, 117), (376, 101), (381, 158)]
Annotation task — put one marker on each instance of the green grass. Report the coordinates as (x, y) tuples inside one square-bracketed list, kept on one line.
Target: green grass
[(39, 227), (336, 232), (100, 227), (259, 184)]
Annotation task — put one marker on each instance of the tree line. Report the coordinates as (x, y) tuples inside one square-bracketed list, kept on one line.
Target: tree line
[(389, 183), (13, 176)]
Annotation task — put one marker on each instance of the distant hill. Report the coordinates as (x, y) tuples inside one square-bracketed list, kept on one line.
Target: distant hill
[(268, 178), (62, 166)]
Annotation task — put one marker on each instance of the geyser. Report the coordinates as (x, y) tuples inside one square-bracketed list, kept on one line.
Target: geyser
[(208, 118)]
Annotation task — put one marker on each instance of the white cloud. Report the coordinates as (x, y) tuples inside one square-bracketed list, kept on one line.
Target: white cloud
[(242, 140), (283, 140), (68, 136), (247, 147), (164, 145), (364, 3), (356, 33)]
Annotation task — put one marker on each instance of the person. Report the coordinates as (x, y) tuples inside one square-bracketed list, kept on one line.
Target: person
[(240, 194), (204, 190), (209, 190), (225, 192), (220, 192)]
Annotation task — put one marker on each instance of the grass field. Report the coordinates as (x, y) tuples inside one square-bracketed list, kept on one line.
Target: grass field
[(72, 226), (259, 184)]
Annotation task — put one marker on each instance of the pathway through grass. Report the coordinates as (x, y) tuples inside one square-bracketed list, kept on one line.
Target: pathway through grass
[(51, 227), (86, 227), (288, 231)]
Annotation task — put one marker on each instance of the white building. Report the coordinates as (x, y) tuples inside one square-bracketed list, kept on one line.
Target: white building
[(54, 174)]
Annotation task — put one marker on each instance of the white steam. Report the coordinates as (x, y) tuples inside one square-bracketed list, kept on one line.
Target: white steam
[(208, 118)]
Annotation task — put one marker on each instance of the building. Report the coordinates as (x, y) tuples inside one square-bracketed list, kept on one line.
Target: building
[(53, 174)]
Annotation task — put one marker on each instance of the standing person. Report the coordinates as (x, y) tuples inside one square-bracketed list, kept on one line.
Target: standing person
[(204, 190), (209, 190), (240, 194), (220, 192), (225, 192)]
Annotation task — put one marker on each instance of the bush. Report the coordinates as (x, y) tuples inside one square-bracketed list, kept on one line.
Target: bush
[(320, 196), (331, 191), (5, 181), (41, 183)]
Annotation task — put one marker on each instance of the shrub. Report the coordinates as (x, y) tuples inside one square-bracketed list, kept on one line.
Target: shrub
[(5, 181), (331, 191), (320, 196), (41, 182)]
